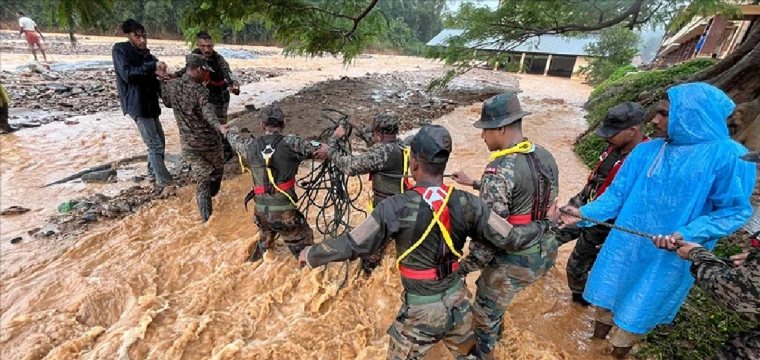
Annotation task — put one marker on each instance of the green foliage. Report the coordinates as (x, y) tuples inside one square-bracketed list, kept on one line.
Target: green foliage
[(71, 14), (516, 21), (613, 79), (608, 94), (616, 47), (699, 330)]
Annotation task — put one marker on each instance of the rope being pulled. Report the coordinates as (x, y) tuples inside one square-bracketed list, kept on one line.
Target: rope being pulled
[(625, 229)]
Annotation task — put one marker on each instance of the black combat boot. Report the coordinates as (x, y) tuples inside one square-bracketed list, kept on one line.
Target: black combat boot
[(601, 330), (204, 205)]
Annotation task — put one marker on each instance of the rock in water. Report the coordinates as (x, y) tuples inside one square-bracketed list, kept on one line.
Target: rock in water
[(14, 210), (99, 176)]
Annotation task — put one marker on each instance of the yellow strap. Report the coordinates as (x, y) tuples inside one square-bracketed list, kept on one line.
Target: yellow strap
[(405, 170), (271, 180), (369, 203), (444, 232), (242, 167), (523, 147)]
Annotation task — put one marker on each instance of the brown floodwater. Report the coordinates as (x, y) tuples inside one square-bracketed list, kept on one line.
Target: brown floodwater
[(160, 285)]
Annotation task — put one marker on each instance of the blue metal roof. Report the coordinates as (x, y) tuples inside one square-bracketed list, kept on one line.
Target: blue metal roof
[(544, 44)]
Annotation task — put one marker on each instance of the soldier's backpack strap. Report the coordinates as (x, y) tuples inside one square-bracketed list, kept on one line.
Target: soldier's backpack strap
[(437, 198)]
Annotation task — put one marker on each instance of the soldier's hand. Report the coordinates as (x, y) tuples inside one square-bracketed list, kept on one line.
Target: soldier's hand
[(224, 129), (340, 132), (685, 248), (352, 121), (739, 259), (569, 216), (321, 153), (669, 242), (461, 178), (302, 256), (553, 213)]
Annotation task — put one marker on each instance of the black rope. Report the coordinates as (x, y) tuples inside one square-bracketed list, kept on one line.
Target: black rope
[(326, 188)]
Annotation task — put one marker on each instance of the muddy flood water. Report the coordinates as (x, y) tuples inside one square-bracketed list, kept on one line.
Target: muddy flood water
[(158, 284)]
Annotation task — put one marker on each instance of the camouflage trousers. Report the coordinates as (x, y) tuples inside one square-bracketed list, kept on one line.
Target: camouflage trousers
[(744, 345), (423, 321), (505, 276), (207, 169), (221, 113), (289, 224), (583, 256)]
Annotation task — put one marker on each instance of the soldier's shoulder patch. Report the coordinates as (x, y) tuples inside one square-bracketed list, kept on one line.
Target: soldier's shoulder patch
[(315, 143), (491, 170)]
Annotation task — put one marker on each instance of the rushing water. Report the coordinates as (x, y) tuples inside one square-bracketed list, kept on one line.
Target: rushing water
[(160, 285)]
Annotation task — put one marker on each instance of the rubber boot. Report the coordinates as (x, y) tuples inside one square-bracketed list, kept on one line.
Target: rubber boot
[(620, 352), (578, 299), (204, 205), (601, 330)]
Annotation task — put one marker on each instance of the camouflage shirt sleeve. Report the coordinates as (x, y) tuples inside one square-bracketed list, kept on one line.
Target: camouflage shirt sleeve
[(240, 143), (371, 161), (364, 132), (495, 190), (201, 95), (303, 148), (224, 67), (167, 93), (736, 288)]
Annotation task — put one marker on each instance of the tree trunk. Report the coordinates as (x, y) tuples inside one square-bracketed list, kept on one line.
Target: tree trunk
[(234, 34)]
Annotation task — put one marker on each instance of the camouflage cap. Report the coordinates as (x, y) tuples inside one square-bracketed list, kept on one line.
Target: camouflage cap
[(432, 143), (272, 115), (196, 60), (621, 117), (500, 110), (386, 124)]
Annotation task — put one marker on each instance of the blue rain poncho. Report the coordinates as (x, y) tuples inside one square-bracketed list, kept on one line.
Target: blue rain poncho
[(694, 184)]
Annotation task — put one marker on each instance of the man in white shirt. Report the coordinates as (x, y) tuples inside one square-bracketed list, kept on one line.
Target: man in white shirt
[(29, 28)]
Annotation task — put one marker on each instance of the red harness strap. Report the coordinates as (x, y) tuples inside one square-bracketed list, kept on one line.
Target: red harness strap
[(520, 219), (214, 83), (258, 190), (434, 197)]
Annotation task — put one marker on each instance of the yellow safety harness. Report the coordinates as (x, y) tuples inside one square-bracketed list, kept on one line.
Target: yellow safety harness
[(242, 166), (522, 148), (267, 154), (441, 226)]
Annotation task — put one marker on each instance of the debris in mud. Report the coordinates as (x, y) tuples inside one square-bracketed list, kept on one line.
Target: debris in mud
[(16, 240), (102, 176), (14, 210), (56, 96), (50, 229), (364, 97)]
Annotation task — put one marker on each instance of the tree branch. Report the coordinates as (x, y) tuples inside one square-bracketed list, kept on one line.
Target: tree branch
[(362, 16), (632, 11)]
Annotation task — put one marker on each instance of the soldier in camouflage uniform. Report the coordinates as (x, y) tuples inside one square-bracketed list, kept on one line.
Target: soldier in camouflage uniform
[(198, 128), (274, 160), (520, 185), (622, 128), (218, 82), (435, 302), (383, 161)]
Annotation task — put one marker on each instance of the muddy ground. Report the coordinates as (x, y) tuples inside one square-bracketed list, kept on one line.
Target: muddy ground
[(402, 93), (41, 95)]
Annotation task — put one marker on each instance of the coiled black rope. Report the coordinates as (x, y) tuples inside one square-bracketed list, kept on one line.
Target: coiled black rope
[(326, 188)]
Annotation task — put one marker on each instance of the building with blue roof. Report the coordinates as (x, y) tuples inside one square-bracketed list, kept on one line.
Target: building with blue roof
[(549, 55)]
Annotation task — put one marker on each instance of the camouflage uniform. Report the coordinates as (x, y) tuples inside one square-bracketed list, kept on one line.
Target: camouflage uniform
[(383, 161), (436, 308), (217, 84), (198, 133), (737, 289), (274, 213), (5, 103), (508, 187)]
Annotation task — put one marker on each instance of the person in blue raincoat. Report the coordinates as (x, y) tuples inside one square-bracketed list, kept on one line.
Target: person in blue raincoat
[(689, 185)]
